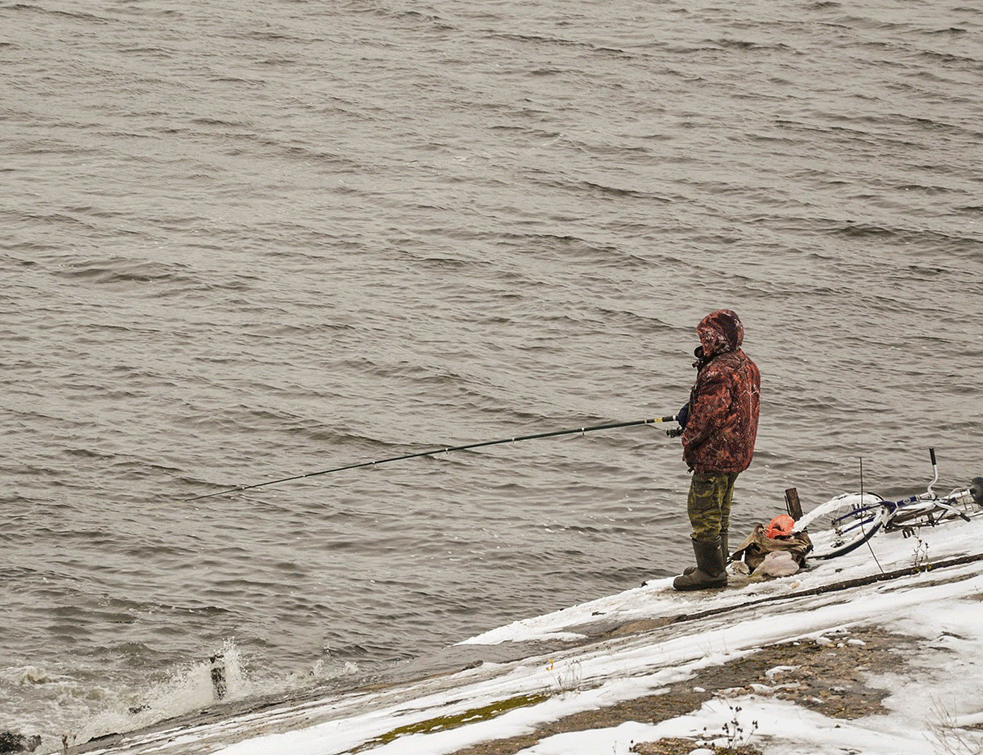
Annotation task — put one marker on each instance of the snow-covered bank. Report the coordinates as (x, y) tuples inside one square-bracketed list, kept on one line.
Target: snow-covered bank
[(651, 641)]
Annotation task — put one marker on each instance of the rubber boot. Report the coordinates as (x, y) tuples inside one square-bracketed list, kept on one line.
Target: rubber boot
[(724, 554), (710, 571)]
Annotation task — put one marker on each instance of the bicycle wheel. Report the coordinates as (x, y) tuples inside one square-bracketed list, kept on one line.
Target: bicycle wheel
[(842, 524)]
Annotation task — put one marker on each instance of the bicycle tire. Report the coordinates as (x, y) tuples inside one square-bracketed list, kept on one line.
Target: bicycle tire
[(842, 524)]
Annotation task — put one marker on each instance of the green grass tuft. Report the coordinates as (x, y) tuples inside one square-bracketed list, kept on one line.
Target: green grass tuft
[(443, 723)]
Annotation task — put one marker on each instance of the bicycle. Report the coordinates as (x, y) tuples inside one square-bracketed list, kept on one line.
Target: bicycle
[(847, 521)]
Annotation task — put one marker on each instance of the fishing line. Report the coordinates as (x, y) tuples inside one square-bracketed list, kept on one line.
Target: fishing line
[(869, 546), (434, 452)]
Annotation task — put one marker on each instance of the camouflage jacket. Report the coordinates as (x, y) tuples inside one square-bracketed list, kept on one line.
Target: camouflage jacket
[(724, 403)]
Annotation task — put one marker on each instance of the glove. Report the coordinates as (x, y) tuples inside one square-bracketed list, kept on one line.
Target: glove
[(682, 416)]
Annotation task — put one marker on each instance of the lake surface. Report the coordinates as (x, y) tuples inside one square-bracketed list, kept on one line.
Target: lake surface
[(244, 241)]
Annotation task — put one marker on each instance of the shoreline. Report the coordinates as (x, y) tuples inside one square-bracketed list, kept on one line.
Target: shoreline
[(647, 658)]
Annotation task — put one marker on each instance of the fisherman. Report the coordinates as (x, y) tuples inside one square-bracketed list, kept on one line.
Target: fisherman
[(719, 426)]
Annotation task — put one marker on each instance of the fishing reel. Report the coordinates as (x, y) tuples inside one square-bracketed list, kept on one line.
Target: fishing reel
[(681, 417)]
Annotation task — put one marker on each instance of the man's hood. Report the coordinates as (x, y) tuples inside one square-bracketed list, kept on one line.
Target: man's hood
[(719, 332)]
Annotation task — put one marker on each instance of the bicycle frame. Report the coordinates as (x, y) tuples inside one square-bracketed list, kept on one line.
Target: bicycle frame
[(932, 510)]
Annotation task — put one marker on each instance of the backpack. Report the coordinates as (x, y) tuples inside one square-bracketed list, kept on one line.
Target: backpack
[(774, 537)]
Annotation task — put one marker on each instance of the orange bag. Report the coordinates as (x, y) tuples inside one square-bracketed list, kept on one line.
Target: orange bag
[(780, 526)]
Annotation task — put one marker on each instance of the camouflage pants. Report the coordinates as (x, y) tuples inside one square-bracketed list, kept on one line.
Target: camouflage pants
[(708, 505)]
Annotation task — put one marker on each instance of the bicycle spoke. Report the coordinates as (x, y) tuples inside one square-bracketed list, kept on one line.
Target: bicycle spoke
[(843, 524)]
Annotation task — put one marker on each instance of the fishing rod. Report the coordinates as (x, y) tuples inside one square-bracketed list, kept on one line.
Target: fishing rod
[(434, 452)]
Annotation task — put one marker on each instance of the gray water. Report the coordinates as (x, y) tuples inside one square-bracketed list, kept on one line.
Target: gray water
[(243, 241)]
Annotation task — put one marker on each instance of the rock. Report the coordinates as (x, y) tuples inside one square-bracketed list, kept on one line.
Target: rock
[(220, 684), (12, 742)]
